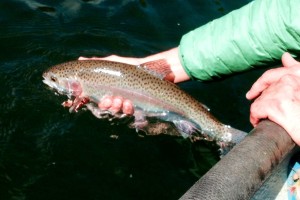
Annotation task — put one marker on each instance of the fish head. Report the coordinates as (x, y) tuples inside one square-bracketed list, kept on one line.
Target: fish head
[(62, 82)]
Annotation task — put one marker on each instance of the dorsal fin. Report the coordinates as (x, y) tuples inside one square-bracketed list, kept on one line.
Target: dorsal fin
[(159, 68)]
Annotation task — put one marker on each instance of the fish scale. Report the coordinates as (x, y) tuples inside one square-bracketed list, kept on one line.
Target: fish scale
[(148, 93)]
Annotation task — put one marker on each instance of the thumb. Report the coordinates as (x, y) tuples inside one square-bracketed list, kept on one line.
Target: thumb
[(288, 60)]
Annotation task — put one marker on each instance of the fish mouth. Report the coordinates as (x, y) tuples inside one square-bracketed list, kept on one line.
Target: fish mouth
[(49, 83), (54, 87)]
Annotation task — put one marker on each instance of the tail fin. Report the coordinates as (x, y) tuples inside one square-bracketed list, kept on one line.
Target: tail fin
[(236, 135), (231, 138), (226, 139)]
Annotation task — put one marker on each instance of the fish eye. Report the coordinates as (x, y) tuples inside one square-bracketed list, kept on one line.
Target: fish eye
[(54, 79)]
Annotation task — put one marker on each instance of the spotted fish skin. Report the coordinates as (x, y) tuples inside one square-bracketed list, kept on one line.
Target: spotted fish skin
[(95, 79)]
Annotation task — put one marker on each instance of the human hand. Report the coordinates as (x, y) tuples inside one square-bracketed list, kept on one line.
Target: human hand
[(116, 104), (280, 102), (290, 66)]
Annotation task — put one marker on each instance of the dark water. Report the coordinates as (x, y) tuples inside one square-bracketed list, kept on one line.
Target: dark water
[(48, 153)]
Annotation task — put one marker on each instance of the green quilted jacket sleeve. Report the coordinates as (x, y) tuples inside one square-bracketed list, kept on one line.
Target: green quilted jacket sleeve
[(255, 34)]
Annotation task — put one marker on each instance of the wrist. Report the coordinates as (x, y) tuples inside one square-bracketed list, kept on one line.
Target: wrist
[(171, 58)]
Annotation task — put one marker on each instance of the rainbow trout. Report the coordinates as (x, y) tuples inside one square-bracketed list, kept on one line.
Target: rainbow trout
[(88, 81)]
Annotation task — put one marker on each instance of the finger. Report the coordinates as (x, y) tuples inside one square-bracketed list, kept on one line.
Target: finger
[(92, 58), (256, 117), (128, 107), (254, 121), (271, 109), (269, 77), (128, 60), (258, 111), (105, 103), (288, 60), (83, 58), (117, 105), (115, 58)]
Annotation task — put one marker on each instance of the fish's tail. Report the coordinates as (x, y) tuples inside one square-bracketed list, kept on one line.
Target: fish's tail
[(229, 138), (237, 135), (225, 136)]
